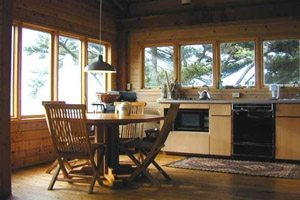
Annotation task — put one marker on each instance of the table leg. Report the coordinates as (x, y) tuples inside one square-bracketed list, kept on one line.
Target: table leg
[(111, 168)]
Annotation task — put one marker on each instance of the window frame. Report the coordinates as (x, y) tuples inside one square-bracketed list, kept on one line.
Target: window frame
[(54, 34), (262, 39), (143, 62), (208, 42), (238, 40), (258, 58)]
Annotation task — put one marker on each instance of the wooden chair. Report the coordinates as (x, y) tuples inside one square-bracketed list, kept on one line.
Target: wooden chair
[(55, 163), (151, 149), (69, 132)]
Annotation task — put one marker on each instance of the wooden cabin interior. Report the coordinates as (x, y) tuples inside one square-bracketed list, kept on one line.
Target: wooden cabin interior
[(126, 32)]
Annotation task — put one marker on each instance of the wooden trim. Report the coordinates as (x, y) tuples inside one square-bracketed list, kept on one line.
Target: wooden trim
[(15, 72), (259, 74), (83, 48), (216, 63), (176, 61), (19, 69), (54, 66), (142, 85)]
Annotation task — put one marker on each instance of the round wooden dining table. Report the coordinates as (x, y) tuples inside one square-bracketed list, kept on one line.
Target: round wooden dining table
[(107, 131)]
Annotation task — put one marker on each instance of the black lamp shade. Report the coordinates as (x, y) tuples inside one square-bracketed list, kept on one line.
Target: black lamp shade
[(100, 66)]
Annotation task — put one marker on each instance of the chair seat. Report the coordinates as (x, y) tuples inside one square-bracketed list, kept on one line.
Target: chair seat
[(138, 144)]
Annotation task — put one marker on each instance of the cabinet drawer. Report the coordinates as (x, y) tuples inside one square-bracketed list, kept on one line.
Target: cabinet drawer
[(291, 110), (220, 109)]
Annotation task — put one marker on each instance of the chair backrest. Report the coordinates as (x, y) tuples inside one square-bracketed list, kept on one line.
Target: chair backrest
[(132, 130), (167, 125), (68, 128)]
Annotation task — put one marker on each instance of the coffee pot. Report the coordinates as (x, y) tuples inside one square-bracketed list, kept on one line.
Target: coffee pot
[(275, 90), (204, 95)]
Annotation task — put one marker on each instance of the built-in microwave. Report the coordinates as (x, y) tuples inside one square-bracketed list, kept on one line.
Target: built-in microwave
[(191, 120)]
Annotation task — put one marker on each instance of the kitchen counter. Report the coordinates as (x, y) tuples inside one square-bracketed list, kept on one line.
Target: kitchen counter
[(221, 101)]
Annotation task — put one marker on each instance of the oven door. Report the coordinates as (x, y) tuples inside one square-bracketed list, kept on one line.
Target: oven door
[(192, 120)]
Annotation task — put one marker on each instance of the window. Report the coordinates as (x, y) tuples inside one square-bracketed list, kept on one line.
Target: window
[(35, 71), (69, 71), (158, 60), (95, 81), (41, 79), (196, 65), (237, 64), (281, 61)]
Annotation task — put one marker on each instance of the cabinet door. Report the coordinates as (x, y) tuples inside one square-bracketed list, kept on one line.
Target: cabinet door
[(287, 138), (220, 129), (187, 142)]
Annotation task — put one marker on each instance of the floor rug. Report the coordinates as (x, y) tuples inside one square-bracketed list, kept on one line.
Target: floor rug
[(253, 168)]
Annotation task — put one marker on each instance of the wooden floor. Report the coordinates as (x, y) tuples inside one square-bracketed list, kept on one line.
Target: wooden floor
[(32, 183)]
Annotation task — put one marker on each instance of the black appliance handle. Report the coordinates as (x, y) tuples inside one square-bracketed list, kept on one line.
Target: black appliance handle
[(250, 111)]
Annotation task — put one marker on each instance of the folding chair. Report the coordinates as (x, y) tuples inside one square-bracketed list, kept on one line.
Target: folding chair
[(151, 149), (68, 128)]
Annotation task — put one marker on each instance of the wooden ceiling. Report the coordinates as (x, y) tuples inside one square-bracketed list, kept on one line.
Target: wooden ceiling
[(137, 8)]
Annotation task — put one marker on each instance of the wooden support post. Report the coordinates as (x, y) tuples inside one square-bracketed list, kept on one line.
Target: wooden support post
[(5, 66)]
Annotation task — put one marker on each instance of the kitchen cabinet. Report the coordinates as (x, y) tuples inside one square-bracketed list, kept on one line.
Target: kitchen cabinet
[(220, 129), (287, 131), (193, 142)]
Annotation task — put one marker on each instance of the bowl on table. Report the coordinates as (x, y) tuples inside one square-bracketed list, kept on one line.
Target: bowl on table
[(107, 98)]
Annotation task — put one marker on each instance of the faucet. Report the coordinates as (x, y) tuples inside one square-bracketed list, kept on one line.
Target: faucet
[(297, 83)]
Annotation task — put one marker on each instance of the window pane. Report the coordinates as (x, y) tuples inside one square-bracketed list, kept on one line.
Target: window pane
[(157, 60), (196, 65), (69, 72), (35, 72), (281, 61), (95, 81), (238, 64)]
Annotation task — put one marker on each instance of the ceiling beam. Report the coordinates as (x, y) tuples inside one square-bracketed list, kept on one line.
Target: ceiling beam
[(119, 5)]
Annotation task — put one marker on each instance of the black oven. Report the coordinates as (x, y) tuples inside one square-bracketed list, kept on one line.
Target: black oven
[(191, 120)]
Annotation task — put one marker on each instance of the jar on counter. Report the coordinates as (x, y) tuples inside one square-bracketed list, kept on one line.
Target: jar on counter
[(164, 91), (124, 109)]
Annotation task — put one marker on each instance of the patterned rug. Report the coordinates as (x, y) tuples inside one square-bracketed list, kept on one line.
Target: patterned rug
[(253, 168)]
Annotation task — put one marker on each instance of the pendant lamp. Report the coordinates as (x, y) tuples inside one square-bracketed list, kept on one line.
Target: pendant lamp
[(99, 65)]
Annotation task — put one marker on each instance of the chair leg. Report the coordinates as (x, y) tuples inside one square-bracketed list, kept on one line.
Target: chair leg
[(92, 184), (96, 172), (141, 168), (54, 178), (51, 167), (161, 171)]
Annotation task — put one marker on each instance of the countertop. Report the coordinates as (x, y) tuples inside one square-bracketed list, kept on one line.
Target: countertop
[(222, 101)]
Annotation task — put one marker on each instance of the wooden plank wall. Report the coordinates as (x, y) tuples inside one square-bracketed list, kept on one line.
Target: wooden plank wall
[(5, 46), (30, 143), (30, 139)]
